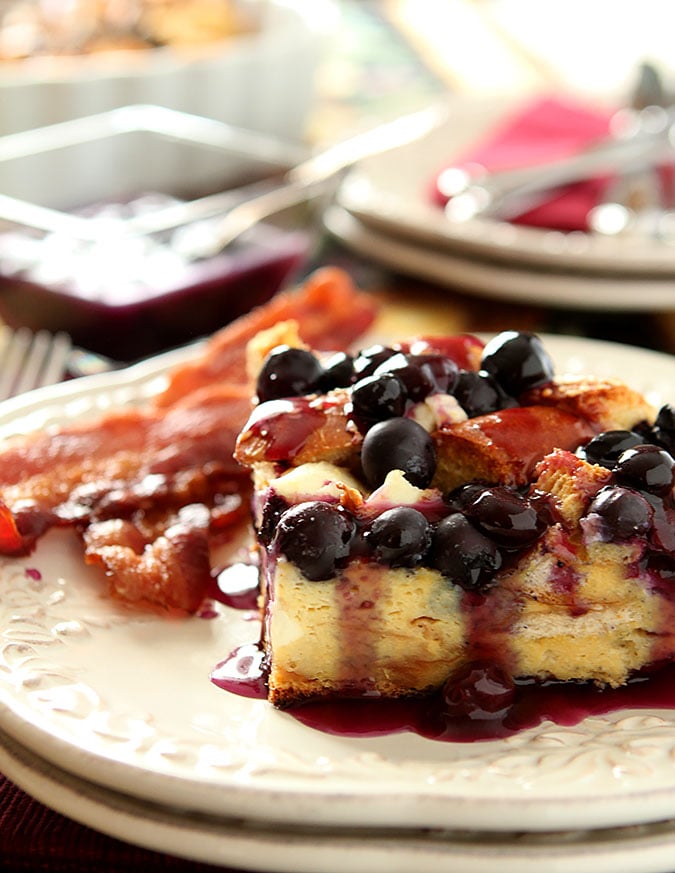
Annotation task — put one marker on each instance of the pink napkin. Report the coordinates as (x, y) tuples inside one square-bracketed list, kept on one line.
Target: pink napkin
[(546, 129)]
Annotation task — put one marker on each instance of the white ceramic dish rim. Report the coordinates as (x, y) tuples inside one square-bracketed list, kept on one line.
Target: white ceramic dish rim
[(513, 282), (632, 849), (59, 698)]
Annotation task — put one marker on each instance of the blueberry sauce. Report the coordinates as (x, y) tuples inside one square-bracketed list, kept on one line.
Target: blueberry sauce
[(147, 292), (564, 704), (286, 424), (236, 586), (529, 703), (243, 672)]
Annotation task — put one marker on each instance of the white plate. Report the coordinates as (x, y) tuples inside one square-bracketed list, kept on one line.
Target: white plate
[(124, 699), (496, 280), (391, 192), (252, 846)]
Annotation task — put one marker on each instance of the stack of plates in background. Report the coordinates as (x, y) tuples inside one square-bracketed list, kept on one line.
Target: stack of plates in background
[(385, 211)]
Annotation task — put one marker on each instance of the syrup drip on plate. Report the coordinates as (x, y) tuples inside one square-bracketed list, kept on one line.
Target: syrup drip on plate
[(244, 672), (564, 704)]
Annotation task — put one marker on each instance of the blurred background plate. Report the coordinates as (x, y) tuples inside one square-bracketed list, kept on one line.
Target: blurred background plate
[(499, 281), (392, 193), (262, 78)]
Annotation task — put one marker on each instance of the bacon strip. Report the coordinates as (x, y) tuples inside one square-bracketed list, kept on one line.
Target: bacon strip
[(149, 489), (330, 315)]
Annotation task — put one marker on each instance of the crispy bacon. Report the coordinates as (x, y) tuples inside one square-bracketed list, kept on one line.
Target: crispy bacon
[(151, 489), (331, 314)]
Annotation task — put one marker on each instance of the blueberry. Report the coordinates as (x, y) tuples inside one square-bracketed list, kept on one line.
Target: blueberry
[(417, 384), (398, 444), (377, 398), (623, 513), (441, 371), (647, 468), (506, 516), (422, 375), (518, 361), (274, 508), (605, 448), (288, 372), (368, 360), (664, 428), (461, 497), (478, 691), (316, 537), (338, 371), (399, 537), (463, 553), (480, 394)]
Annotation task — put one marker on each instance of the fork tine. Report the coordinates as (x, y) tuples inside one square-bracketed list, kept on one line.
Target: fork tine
[(56, 361), (31, 360), (14, 352)]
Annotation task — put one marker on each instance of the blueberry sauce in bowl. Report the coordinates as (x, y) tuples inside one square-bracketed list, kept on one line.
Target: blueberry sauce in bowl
[(128, 297)]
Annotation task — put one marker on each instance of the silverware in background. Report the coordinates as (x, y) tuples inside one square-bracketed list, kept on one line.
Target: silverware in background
[(640, 200), (31, 360), (642, 139)]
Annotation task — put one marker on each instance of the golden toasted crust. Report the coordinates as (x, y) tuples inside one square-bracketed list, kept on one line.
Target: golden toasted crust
[(570, 482), (299, 433), (606, 403), (498, 447), (505, 446)]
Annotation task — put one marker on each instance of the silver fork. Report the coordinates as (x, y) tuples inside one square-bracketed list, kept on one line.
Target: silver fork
[(31, 360)]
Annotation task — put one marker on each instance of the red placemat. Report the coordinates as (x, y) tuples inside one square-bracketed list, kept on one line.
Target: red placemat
[(34, 837)]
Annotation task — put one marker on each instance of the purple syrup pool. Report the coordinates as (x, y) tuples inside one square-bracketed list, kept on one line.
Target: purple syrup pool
[(243, 673)]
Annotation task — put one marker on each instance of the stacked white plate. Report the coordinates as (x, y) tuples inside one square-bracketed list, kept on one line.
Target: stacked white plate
[(384, 210), (108, 715)]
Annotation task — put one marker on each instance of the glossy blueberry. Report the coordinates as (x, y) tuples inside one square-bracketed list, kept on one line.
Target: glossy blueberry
[(461, 497), (478, 691), (274, 508), (664, 428), (368, 360), (623, 513), (506, 516), (605, 448), (417, 384), (377, 398), (462, 553), (288, 372), (518, 361), (422, 375), (316, 537), (338, 371), (441, 371), (398, 444), (399, 537), (647, 468), (480, 394)]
